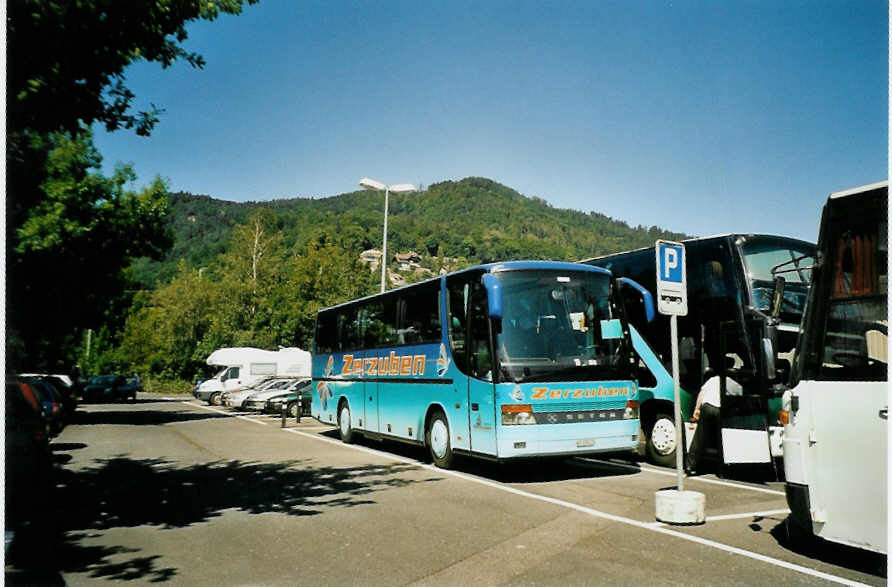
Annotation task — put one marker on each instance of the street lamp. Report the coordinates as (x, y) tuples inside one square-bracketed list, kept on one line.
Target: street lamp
[(399, 188)]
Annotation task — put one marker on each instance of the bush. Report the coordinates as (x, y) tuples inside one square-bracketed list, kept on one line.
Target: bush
[(166, 386)]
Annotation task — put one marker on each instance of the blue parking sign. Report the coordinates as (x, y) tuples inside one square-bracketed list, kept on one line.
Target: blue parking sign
[(672, 283)]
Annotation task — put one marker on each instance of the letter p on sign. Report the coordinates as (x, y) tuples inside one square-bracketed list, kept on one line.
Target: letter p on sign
[(671, 261)]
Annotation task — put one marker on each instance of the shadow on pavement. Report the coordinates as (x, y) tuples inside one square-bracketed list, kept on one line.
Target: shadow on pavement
[(540, 470), (64, 446), (855, 559), (125, 493), (141, 399), (126, 417)]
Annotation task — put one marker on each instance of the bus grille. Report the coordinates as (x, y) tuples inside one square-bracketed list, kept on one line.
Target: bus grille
[(613, 404)]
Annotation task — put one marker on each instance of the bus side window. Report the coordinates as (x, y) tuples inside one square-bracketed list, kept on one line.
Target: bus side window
[(457, 308), (419, 317), (348, 329), (378, 318), (326, 332)]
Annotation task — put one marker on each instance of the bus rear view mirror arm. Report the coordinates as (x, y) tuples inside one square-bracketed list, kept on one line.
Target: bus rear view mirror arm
[(646, 296), (777, 298)]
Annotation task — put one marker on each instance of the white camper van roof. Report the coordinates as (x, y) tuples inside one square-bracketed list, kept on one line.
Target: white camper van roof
[(290, 361)]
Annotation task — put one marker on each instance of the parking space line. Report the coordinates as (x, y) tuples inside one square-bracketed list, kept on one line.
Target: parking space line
[(209, 408), (669, 473), (651, 526)]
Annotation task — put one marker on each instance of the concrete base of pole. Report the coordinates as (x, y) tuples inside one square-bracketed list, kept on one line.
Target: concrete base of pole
[(680, 507)]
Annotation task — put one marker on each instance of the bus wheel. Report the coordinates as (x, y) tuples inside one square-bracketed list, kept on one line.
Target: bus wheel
[(438, 441), (345, 426), (661, 441), (214, 400)]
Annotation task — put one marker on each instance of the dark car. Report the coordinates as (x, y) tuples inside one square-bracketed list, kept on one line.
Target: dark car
[(130, 387), (51, 404), (68, 392), (28, 470), (290, 400), (65, 391), (107, 388)]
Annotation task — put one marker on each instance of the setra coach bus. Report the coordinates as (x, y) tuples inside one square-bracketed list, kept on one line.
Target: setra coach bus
[(500, 361)]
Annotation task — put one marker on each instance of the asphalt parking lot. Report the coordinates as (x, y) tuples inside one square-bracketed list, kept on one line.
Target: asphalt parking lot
[(168, 490)]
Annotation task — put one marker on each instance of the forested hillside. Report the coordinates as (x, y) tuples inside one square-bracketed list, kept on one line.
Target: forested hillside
[(475, 219), (255, 274)]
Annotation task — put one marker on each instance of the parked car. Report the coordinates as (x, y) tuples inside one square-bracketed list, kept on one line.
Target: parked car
[(28, 468), (62, 384), (105, 388), (235, 398), (50, 402), (261, 386), (132, 385), (257, 402), (290, 400)]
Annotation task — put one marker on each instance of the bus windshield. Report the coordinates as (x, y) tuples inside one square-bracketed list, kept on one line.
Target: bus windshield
[(767, 258), (551, 327)]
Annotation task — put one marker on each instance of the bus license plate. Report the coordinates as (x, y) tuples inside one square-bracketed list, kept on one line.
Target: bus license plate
[(585, 443)]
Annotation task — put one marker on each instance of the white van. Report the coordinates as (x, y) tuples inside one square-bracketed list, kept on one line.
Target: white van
[(246, 366)]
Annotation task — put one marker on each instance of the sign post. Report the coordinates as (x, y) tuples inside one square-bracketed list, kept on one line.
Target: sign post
[(672, 301), (680, 506)]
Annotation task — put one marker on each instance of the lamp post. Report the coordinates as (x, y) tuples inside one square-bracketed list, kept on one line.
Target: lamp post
[(399, 188)]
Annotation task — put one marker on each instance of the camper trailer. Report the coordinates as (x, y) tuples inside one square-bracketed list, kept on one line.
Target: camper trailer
[(242, 367)]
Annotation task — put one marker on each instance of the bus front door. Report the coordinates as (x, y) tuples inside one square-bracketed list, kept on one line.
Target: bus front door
[(481, 390)]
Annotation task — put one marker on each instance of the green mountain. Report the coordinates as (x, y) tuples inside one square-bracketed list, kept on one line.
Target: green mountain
[(452, 222)]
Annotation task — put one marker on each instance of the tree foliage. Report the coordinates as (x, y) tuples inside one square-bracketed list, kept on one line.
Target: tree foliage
[(259, 293), (476, 220), (66, 60), (70, 231), (65, 270)]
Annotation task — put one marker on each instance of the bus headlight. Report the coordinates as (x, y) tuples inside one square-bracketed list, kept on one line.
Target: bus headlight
[(517, 414), (631, 412)]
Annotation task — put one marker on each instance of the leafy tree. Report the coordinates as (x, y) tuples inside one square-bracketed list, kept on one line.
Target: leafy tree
[(250, 271), (324, 275), (170, 331), (66, 60), (258, 294), (71, 231), (65, 271)]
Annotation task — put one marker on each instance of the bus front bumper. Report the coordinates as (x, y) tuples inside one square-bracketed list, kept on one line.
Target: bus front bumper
[(539, 440)]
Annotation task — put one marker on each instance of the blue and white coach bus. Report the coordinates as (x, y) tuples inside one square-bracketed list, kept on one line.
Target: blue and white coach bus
[(506, 360)]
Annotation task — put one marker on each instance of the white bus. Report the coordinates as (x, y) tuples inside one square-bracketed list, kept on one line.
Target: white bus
[(835, 414)]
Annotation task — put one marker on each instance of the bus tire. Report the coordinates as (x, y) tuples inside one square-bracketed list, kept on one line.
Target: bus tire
[(345, 424), (437, 438), (661, 441), (214, 400)]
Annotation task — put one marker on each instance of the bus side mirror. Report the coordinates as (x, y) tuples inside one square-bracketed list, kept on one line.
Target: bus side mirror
[(646, 298), (493, 295)]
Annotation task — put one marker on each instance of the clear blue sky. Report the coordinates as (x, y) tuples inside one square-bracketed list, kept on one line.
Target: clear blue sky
[(699, 117)]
